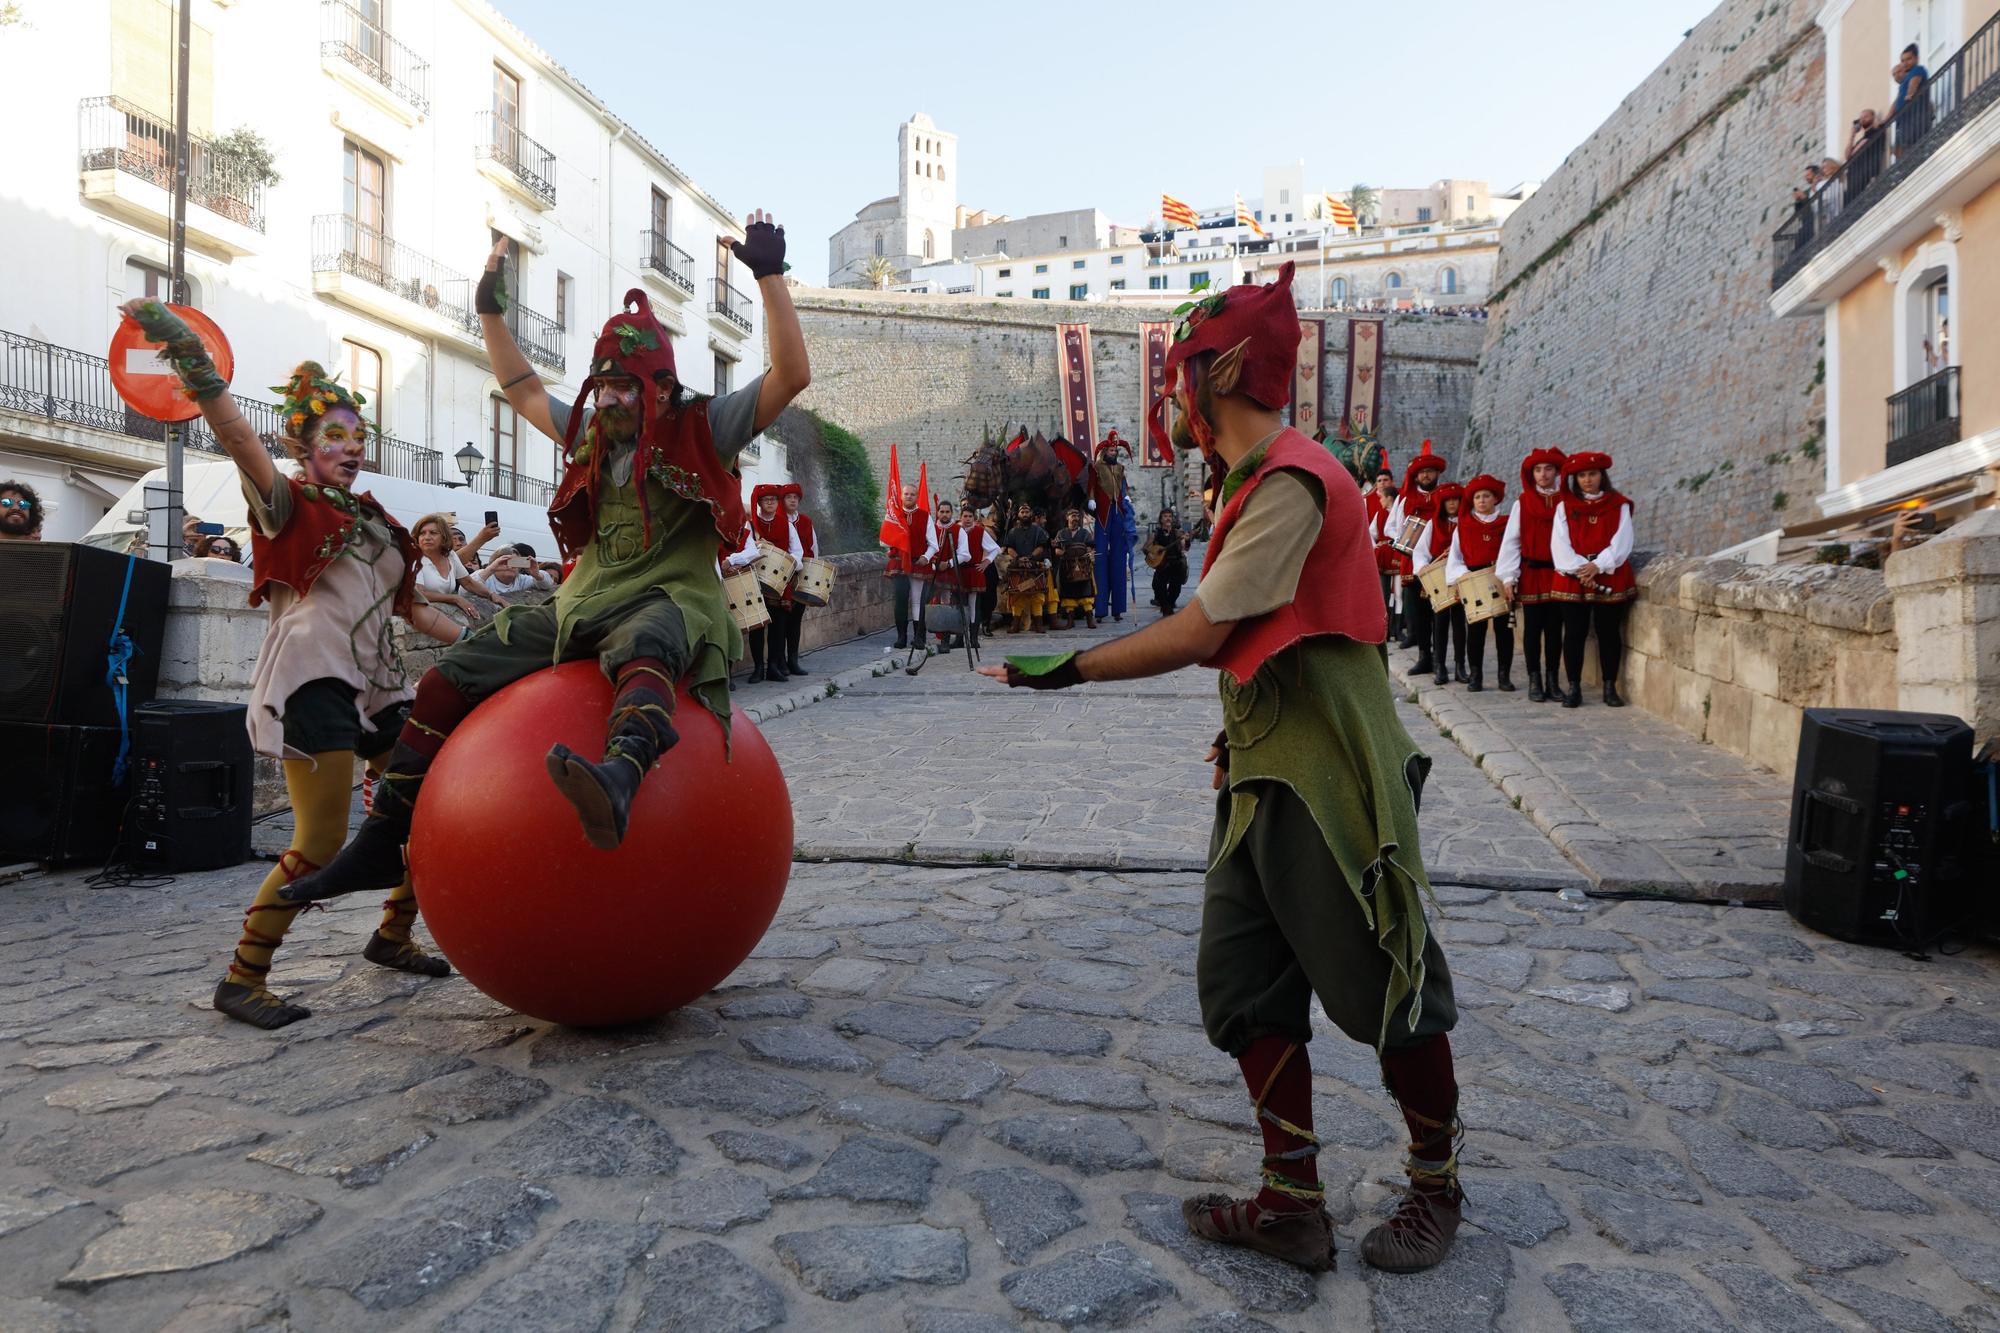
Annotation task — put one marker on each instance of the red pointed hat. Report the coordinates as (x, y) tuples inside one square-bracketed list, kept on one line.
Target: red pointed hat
[(1263, 316), (1424, 459), (791, 488), (759, 494), (1548, 455), (1486, 481), (1586, 462)]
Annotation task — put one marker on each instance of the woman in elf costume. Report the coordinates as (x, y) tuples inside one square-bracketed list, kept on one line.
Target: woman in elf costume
[(334, 569)]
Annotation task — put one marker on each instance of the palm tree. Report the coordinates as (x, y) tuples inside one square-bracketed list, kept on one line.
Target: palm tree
[(880, 272), (1366, 202)]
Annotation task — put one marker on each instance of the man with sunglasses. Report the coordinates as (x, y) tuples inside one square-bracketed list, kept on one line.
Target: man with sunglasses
[(20, 512)]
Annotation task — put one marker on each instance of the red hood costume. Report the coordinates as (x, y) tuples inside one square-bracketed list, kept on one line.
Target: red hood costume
[(675, 447), (1418, 502), (1536, 457), (800, 522), (773, 529), (1441, 528), (1590, 522)]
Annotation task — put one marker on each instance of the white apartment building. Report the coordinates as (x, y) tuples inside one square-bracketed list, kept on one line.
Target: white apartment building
[(408, 135)]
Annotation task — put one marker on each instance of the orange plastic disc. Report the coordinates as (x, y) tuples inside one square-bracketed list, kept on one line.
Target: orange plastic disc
[(149, 385)]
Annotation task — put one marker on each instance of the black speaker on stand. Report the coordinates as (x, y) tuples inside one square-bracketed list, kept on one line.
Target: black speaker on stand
[(1878, 850), (193, 771)]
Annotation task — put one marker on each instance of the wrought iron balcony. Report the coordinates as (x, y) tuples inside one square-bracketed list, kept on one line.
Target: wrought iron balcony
[(114, 134), (345, 245), (731, 304), (530, 164), (1924, 417), (662, 256), (346, 34), (541, 339), (1956, 91), (506, 483), (63, 385)]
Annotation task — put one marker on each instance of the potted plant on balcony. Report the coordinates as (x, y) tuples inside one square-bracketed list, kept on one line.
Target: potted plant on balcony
[(241, 162)]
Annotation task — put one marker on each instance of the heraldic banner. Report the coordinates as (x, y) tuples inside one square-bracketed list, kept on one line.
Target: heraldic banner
[(1079, 386), (1308, 392), (1364, 374), (1154, 339)]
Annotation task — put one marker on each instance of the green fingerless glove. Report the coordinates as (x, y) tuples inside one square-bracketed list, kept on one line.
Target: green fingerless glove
[(182, 350), (1057, 672)]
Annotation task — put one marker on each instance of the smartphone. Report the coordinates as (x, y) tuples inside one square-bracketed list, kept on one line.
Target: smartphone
[(492, 518), (209, 529), (1924, 521)]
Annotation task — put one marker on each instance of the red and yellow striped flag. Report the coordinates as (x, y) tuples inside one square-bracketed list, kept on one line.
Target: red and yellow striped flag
[(1245, 218), (1177, 214), (1336, 211)]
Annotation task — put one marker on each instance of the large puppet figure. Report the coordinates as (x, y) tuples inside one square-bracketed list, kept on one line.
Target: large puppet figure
[(647, 494), (1316, 883), (1117, 530)]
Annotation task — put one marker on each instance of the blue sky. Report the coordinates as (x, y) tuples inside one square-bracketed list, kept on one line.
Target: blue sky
[(1078, 105)]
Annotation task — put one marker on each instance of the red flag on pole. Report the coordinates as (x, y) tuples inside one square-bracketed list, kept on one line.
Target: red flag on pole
[(923, 490), (894, 531)]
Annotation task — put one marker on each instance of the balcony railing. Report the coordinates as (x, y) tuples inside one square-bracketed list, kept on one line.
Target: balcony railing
[(661, 255), (61, 384), (345, 245), (506, 483), (731, 304), (1956, 91), (345, 33), (531, 164), (1924, 417), (114, 133), (541, 339)]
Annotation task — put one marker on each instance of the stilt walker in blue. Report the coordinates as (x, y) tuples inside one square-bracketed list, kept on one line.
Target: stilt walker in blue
[(1117, 532)]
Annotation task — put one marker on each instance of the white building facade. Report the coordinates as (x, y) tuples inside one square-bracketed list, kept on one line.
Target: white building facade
[(407, 138), (912, 227)]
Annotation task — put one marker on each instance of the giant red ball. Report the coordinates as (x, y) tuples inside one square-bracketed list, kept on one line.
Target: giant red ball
[(543, 922)]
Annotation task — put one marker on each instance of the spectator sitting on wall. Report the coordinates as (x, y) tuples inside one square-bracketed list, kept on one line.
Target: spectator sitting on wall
[(221, 548), (20, 512), (516, 571), (442, 578)]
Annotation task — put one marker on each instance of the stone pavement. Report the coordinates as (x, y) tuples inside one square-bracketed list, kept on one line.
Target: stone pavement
[(1638, 804)]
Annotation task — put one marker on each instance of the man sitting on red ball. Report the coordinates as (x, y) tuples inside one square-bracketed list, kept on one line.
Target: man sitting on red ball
[(648, 492)]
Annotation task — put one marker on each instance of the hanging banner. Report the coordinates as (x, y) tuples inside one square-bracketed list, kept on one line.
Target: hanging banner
[(1079, 385), (1364, 374), (1308, 391), (1154, 340)]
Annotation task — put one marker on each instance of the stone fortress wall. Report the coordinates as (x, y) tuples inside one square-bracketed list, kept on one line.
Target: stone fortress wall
[(1629, 312), (932, 373)]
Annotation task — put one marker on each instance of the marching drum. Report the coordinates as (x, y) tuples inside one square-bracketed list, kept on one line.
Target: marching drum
[(1026, 576), (1442, 595), (815, 582), (1412, 533), (1484, 596), (774, 566), (746, 601), (1078, 566)]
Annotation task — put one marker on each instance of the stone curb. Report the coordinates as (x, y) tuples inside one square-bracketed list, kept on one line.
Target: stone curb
[(764, 709), (1611, 863)]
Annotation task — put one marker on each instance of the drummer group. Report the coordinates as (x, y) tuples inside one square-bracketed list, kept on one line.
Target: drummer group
[(1557, 562), (771, 577)]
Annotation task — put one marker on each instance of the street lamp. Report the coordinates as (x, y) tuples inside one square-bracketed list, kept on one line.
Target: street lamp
[(470, 461)]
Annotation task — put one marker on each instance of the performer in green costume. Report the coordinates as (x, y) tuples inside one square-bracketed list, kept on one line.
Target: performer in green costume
[(1316, 884)]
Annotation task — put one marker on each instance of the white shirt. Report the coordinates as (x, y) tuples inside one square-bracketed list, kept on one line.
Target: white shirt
[(1608, 560), (520, 583), (743, 558), (1392, 526), (430, 580), (1454, 562), (965, 547), (1507, 568)]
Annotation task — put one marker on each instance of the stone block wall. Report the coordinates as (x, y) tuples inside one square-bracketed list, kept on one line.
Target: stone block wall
[(1736, 653), (932, 373), (1629, 307)]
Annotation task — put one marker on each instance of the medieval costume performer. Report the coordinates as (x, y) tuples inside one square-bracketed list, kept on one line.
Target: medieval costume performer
[(1527, 566), (1166, 553), (793, 496), (648, 492), (968, 550), (334, 568), (1475, 544), (1316, 884), (1076, 577), (1117, 531), (769, 524), (1380, 496), (909, 569), (1448, 625), (989, 583), (1026, 573), (1417, 499), (1592, 546)]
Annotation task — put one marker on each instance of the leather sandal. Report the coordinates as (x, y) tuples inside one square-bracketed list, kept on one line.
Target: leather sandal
[(1303, 1237)]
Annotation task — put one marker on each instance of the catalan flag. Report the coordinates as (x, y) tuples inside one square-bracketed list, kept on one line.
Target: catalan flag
[(1336, 211), (1177, 214), (1245, 218)]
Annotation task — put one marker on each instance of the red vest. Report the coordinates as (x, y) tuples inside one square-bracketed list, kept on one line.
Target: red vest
[(1440, 535), (909, 557), (679, 452), (1538, 519), (804, 526), (1479, 539), (774, 531), (1592, 524), (966, 576), (321, 525), (1337, 592)]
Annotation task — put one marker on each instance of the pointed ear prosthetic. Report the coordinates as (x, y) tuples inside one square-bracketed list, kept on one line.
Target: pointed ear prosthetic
[(1227, 372)]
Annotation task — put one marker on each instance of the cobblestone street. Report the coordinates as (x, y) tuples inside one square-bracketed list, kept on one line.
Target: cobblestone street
[(957, 1098)]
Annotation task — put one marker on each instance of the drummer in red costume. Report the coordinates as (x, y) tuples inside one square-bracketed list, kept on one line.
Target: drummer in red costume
[(768, 523), (1417, 499), (1527, 566), (1475, 544), (1448, 625), (1592, 544), (1379, 497), (792, 495), (968, 548)]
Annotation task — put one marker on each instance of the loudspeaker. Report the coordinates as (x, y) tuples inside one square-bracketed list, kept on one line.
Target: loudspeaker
[(192, 771), (1877, 851), (59, 602), (57, 802)]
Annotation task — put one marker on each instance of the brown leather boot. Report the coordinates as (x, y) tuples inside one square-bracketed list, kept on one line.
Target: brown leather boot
[(1303, 1237), (1090, 619), (1419, 1233)]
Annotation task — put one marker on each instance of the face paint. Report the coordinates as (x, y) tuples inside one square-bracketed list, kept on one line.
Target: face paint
[(339, 443)]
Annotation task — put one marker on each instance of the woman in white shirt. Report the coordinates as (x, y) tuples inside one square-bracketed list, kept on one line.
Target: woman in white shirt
[(1592, 547), (441, 575)]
